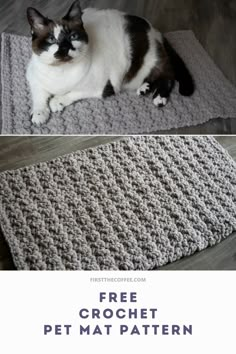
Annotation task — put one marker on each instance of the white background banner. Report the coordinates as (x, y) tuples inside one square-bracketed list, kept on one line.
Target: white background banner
[(155, 312)]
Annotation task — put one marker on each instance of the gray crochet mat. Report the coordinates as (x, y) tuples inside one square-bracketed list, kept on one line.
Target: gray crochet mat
[(124, 114), (135, 204)]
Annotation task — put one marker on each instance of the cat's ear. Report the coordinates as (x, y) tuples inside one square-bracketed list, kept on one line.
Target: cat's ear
[(75, 13), (36, 20)]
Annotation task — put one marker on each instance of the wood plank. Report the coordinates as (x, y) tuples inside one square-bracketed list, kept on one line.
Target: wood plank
[(16, 152)]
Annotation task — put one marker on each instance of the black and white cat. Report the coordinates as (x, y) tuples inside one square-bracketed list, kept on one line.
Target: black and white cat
[(98, 53)]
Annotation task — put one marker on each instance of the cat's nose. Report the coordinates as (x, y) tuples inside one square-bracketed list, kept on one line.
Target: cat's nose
[(63, 50)]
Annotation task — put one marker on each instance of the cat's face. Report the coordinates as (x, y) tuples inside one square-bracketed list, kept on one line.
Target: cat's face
[(57, 42)]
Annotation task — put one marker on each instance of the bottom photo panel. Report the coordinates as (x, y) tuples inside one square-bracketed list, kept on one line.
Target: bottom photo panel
[(142, 203)]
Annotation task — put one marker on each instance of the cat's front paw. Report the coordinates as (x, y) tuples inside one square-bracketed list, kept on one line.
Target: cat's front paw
[(144, 89), (160, 101), (39, 117), (58, 103)]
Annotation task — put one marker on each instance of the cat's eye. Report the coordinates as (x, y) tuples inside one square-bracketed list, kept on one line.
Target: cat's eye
[(51, 39), (74, 36)]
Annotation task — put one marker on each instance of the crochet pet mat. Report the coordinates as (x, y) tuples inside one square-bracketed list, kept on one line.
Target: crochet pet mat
[(124, 114), (135, 204)]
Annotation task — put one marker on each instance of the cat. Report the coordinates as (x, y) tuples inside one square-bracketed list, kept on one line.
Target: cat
[(99, 53)]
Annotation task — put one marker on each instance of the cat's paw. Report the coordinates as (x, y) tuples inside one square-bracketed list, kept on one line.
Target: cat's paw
[(57, 104), (160, 101), (144, 89), (39, 117)]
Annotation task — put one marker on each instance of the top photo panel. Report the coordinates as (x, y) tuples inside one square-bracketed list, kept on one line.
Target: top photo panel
[(118, 67)]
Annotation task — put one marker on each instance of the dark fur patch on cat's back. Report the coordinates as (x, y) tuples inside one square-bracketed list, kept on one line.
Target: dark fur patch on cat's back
[(108, 90), (137, 29)]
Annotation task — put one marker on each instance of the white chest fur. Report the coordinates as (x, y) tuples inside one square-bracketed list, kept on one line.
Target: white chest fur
[(57, 80)]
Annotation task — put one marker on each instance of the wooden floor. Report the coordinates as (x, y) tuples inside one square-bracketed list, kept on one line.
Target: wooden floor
[(18, 152), (213, 22)]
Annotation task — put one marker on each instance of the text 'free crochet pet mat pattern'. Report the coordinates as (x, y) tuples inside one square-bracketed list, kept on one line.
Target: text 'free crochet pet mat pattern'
[(124, 114), (136, 204)]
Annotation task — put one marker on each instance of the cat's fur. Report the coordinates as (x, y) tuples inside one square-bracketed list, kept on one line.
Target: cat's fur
[(99, 53)]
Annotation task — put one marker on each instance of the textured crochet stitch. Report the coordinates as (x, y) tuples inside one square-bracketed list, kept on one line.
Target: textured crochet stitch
[(136, 204), (126, 113)]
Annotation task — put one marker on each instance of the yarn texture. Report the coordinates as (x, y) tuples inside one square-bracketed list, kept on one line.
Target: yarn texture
[(126, 113), (136, 204)]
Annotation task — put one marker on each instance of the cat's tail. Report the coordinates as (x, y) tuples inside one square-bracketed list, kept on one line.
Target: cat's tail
[(182, 74)]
